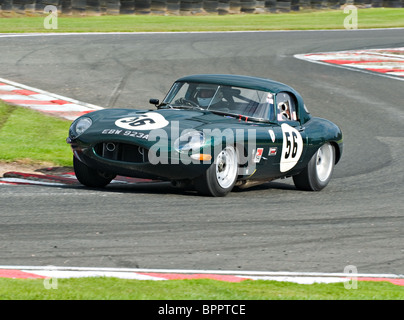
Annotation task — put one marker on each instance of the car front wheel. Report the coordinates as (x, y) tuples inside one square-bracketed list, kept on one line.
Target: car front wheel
[(90, 177), (318, 172), (221, 176)]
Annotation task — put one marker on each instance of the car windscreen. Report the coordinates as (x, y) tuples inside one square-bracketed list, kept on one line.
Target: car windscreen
[(249, 103)]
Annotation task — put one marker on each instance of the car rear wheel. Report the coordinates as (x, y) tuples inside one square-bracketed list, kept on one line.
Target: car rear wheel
[(221, 176), (318, 172), (90, 177)]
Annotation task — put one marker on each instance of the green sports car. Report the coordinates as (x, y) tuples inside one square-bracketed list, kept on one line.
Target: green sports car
[(210, 133)]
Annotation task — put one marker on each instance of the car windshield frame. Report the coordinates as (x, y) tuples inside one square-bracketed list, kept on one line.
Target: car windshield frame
[(253, 104)]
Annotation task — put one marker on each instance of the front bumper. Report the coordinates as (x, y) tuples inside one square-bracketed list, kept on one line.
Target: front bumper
[(135, 161)]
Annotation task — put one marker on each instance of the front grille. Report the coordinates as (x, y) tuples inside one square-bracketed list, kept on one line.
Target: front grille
[(121, 152)]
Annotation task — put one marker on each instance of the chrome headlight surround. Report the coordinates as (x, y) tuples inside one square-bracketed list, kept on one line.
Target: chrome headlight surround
[(79, 126), (191, 140)]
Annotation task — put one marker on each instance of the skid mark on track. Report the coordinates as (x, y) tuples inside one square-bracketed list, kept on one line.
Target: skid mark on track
[(389, 176)]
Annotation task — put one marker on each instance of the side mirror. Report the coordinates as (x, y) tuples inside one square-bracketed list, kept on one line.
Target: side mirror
[(154, 101)]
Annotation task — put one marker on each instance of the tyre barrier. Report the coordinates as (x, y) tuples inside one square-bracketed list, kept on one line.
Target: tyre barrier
[(182, 7)]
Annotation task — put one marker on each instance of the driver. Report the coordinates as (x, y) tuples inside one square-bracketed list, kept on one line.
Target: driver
[(207, 96), (204, 96)]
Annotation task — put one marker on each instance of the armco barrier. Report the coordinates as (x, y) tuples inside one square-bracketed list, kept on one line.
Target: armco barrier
[(181, 7)]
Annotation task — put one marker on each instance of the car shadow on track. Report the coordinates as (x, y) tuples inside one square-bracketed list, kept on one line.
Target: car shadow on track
[(167, 188), (62, 178)]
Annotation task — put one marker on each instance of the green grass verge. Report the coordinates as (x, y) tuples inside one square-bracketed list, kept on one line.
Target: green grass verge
[(325, 19), (119, 289), (31, 137)]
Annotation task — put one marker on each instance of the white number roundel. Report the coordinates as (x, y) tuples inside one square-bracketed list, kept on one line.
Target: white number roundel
[(292, 147), (146, 121)]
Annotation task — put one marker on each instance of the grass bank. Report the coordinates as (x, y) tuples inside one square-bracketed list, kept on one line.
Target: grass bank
[(103, 288), (30, 137), (316, 20)]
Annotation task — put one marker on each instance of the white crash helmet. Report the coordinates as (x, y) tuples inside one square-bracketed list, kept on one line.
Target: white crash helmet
[(205, 94)]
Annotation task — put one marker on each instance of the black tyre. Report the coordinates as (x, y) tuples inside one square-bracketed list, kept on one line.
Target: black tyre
[(221, 176), (90, 177), (319, 170)]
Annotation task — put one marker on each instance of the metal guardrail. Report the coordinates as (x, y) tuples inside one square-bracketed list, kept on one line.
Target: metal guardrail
[(182, 7)]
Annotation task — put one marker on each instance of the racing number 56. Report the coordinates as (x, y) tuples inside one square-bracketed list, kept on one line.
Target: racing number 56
[(292, 147), (291, 144)]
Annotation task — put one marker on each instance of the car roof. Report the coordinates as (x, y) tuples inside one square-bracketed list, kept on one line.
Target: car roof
[(250, 82), (239, 81)]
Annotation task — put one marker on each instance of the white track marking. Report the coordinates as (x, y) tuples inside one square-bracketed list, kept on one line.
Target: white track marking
[(42, 100), (139, 274), (371, 61)]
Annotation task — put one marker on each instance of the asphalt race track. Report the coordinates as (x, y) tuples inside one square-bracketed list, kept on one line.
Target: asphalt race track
[(357, 220)]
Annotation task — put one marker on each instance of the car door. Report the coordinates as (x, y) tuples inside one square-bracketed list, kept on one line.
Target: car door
[(288, 132)]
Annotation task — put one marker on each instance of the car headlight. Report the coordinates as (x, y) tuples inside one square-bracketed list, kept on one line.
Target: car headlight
[(80, 126), (192, 140)]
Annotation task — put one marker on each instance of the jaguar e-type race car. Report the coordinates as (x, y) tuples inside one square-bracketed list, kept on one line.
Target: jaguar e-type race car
[(211, 133)]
